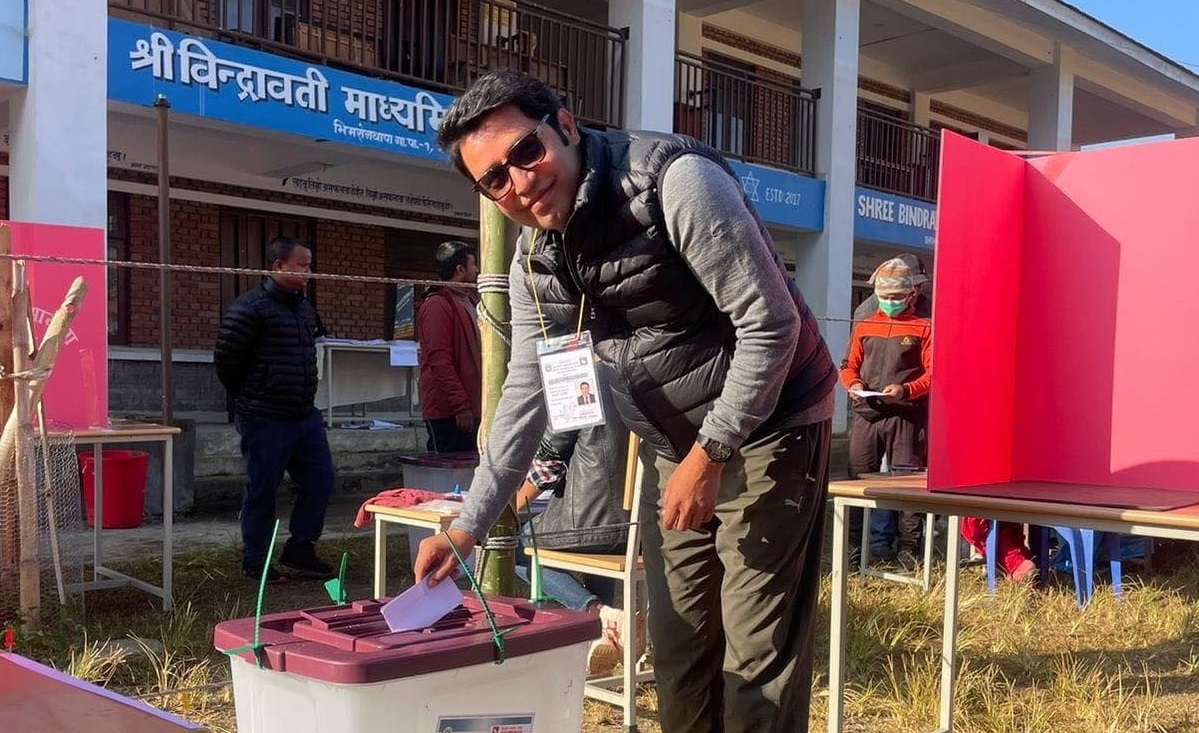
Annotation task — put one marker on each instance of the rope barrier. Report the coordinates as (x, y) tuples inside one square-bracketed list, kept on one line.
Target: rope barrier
[(487, 283)]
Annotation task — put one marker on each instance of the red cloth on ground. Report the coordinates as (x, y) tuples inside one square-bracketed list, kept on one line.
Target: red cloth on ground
[(1009, 544), (398, 499)]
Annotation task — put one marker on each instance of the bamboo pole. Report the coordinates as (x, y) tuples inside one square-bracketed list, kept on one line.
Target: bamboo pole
[(495, 253), (22, 345)]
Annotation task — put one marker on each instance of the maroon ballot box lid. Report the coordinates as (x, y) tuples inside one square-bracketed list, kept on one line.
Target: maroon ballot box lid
[(464, 459), (351, 644)]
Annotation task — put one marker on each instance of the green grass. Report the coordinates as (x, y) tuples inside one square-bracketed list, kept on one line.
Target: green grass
[(1030, 661)]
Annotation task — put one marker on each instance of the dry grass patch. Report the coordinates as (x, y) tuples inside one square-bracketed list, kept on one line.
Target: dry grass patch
[(1031, 662)]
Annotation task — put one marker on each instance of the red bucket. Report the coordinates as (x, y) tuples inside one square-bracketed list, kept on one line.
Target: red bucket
[(124, 487)]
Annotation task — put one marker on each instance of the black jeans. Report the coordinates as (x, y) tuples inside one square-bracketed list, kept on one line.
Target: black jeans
[(445, 437), (271, 447)]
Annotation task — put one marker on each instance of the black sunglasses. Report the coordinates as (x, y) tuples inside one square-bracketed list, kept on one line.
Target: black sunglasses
[(496, 181)]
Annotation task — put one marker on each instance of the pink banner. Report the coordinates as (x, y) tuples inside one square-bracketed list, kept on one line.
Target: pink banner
[(77, 394)]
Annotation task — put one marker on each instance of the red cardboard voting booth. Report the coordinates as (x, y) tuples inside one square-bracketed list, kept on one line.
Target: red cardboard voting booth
[(1066, 311), (77, 394)]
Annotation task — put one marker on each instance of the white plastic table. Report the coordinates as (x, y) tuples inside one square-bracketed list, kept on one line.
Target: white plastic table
[(130, 432), (353, 372)]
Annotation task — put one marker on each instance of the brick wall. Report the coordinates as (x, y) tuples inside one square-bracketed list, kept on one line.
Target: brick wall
[(195, 299), (351, 310)]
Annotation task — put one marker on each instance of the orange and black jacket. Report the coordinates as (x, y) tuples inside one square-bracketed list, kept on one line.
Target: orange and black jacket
[(885, 351)]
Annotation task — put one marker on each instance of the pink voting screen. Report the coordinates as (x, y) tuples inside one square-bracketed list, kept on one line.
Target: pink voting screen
[(1081, 371)]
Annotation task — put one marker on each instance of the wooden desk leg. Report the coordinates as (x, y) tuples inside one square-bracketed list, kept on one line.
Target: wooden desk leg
[(168, 517), (930, 529), (97, 510), (836, 661), (949, 635), (380, 557), (329, 387)]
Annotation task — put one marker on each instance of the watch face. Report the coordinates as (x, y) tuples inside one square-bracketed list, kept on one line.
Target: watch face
[(717, 451)]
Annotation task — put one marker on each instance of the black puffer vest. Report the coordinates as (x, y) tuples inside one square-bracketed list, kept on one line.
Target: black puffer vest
[(276, 331), (663, 345)]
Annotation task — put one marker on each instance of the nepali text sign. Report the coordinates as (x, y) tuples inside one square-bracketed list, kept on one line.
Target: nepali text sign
[(884, 217), (13, 48), (234, 84), (783, 198)]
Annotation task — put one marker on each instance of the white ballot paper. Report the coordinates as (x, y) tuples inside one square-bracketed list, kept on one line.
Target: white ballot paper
[(421, 606), (865, 393)]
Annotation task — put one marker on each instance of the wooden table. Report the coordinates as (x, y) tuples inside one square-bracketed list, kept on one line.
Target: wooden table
[(907, 494), (130, 432), (409, 517)]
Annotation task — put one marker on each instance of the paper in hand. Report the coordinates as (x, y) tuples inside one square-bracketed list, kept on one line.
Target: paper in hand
[(421, 606), (865, 393)]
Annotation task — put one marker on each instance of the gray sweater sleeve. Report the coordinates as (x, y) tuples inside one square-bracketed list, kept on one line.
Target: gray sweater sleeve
[(732, 255), (519, 419)]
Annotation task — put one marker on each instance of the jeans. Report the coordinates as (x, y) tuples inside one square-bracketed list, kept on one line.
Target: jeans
[(562, 587), (270, 447)]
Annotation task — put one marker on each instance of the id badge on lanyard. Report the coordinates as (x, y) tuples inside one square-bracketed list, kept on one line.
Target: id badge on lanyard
[(568, 381)]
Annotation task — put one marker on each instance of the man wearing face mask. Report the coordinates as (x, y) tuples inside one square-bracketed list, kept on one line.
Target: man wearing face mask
[(890, 353)]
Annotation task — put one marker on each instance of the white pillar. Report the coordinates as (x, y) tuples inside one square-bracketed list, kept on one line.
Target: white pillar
[(649, 59), (1051, 104), (58, 162), (921, 109), (824, 261)]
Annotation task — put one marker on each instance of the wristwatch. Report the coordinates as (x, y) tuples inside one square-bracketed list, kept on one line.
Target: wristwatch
[(717, 452)]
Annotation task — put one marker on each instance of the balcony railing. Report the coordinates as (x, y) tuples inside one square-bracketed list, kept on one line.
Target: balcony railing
[(897, 157), (440, 44), (745, 115)]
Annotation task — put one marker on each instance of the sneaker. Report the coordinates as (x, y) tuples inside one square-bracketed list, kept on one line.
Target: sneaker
[(254, 572), (613, 622), (882, 553), (302, 559), (602, 658)]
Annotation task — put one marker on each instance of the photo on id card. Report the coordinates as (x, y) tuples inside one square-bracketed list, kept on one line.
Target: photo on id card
[(568, 381)]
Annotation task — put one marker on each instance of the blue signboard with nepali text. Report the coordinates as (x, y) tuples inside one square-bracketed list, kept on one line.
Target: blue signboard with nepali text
[(781, 197), (890, 219), (230, 83)]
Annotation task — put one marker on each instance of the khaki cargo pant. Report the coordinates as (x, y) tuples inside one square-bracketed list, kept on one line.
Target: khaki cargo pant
[(732, 607)]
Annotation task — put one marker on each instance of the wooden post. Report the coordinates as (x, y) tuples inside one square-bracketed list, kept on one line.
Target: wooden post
[(26, 469), (10, 538), (495, 254)]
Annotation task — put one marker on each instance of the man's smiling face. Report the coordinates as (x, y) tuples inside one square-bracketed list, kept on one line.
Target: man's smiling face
[(542, 192)]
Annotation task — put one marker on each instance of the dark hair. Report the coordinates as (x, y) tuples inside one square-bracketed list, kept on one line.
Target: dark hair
[(449, 255), (281, 248), (495, 89)]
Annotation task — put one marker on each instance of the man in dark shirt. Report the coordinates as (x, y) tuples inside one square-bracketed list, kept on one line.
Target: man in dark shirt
[(266, 358)]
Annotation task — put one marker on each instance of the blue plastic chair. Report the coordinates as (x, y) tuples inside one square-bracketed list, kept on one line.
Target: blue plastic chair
[(1082, 555)]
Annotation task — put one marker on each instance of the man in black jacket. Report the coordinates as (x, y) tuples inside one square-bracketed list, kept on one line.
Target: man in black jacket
[(266, 357)]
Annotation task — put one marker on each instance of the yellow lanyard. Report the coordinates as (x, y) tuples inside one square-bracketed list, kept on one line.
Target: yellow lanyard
[(537, 301)]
